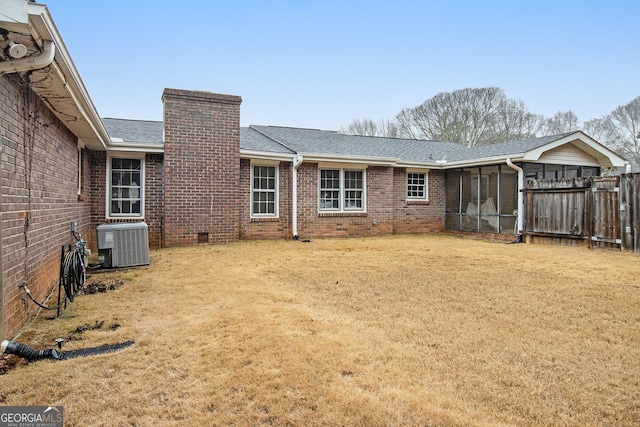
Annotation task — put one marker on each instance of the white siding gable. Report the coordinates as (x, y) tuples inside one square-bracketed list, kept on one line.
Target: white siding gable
[(568, 154)]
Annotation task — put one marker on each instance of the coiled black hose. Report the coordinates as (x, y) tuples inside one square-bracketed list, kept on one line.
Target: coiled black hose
[(74, 274)]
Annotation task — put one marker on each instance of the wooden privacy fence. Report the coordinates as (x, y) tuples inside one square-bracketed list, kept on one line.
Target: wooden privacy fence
[(601, 212)]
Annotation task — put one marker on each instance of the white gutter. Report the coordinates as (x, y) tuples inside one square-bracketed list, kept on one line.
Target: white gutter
[(297, 161), (251, 154), (520, 194), (138, 148), (34, 62), (335, 158)]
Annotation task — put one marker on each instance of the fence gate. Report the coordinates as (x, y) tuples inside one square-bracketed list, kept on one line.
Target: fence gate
[(629, 195), (558, 210), (602, 212), (605, 213)]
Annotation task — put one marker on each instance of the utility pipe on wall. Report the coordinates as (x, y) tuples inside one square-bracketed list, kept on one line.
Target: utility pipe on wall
[(33, 62), (297, 161), (520, 194)]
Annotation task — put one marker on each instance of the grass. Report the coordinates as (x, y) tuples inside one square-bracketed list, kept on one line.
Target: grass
[(402, 330)]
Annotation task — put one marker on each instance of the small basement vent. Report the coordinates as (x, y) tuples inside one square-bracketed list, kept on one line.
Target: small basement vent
[(123, 244)]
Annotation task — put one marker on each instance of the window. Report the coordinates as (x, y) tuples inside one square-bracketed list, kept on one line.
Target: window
[(264, 191), (126, 184), (341, 190), (417, 188)]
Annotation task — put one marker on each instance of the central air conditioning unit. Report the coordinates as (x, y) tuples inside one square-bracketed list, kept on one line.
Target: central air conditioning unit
[(123, 244)]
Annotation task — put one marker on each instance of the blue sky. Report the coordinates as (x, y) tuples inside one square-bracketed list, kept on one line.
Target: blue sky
[(320, 64)]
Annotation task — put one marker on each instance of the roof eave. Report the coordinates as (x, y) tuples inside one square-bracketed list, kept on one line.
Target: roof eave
[(263, 155), (67, 96), (136, 148), (417, 165), (336, 158), (516, 157)]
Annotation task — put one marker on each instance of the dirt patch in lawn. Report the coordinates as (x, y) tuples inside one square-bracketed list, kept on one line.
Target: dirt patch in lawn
[(402, 330)]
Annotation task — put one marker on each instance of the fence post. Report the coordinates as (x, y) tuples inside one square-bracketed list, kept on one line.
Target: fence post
[(588, 201), (625, 223)]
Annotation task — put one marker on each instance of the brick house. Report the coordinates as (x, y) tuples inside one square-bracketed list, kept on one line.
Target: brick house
[(198, 177)]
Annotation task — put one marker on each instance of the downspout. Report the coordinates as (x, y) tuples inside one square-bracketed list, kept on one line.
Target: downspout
[(33, 62), (520, 196), (296, 161)]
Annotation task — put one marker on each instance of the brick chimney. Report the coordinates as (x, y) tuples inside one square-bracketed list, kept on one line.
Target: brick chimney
[(201, 167)]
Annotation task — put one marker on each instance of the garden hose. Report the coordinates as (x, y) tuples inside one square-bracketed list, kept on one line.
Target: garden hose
[(39, 304)]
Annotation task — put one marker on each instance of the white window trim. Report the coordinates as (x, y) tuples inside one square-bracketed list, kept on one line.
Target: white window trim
[(426, 185), (342, 169), (275, 165), (143, 187)]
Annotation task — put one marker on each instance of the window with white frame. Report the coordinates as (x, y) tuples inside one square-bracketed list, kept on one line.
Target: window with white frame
[(342, 190), (264, 191), (126, 176), (417, 186)]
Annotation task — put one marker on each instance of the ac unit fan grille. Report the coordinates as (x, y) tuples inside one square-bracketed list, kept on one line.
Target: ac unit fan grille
[(126, 245), (131, 247)]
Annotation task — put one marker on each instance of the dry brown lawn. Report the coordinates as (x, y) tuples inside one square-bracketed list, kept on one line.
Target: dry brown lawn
[(393, 331)]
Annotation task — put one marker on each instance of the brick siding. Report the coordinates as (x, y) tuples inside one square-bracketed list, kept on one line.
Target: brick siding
[(201, 167), (38, 200), (387, 210), (265, 228), (153, 196), (417, 216)]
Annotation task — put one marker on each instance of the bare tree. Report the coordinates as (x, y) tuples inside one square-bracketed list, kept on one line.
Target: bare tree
[(471, 117), (626, 139), (368, 127), (602, 130), (561, 122)]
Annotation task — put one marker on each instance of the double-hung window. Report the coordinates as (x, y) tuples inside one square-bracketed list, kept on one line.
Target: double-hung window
[(264, 191), (417, 186), (126, 176), (342, 190)]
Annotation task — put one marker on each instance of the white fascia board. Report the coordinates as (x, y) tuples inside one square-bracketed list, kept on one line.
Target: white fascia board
[(262, 155), (495, 160), (373, 161), (44, 28), (417, 165), (138, 148)]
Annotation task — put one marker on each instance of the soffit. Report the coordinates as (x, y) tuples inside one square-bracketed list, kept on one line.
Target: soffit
[(59, 85)]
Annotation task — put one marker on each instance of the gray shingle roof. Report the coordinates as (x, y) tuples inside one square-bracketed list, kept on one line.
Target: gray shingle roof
[(506, 148), (252, 140), (334, 144), (331, 144), (135, 131)]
